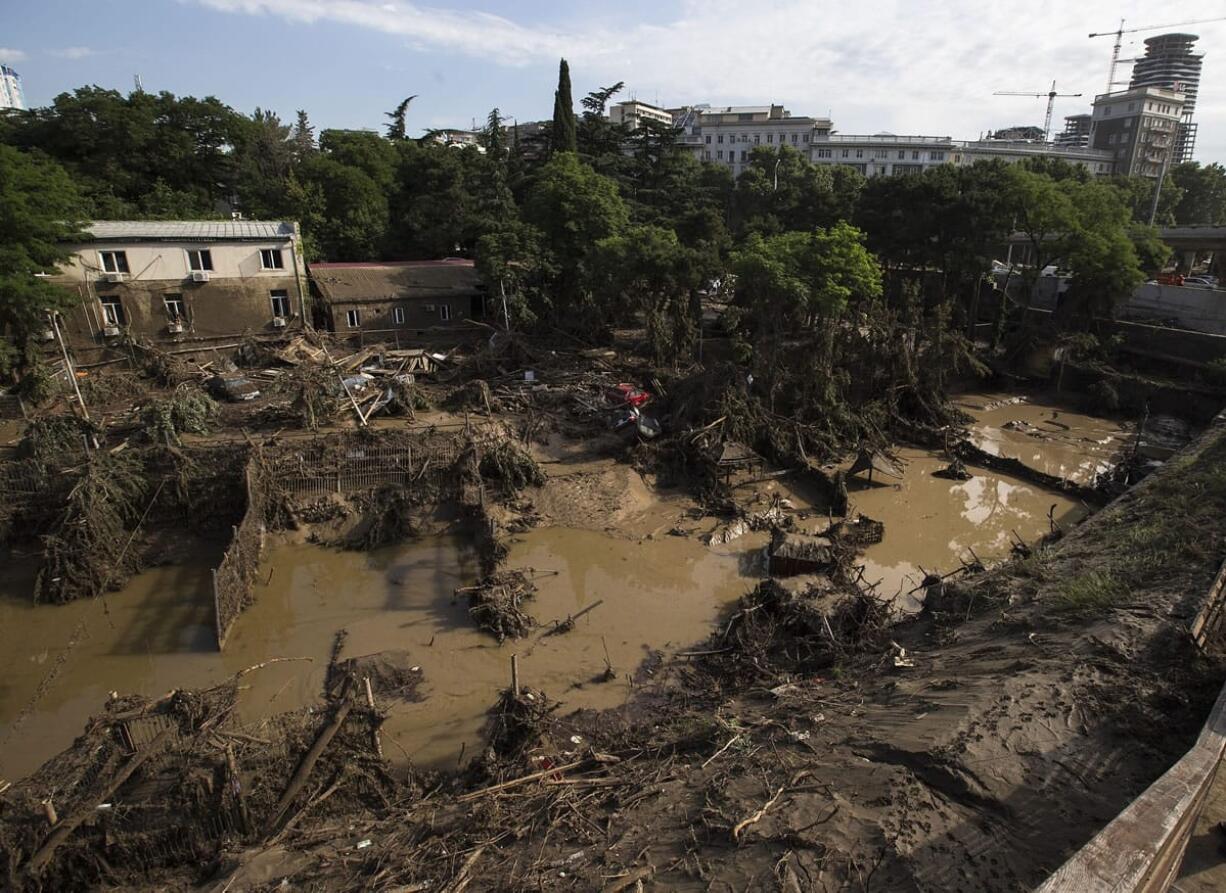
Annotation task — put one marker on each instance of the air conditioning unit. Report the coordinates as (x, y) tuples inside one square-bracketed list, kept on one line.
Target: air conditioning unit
[(114, 277), (175, 328), (279, 322), (200, 275), (110, 331)]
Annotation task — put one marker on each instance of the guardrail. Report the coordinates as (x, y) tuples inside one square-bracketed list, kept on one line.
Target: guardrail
[(1142, 849)]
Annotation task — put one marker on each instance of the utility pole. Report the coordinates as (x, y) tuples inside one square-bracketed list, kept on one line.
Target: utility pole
[(70, 371)]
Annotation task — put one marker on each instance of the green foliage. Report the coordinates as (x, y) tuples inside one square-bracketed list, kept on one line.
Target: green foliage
[(187, 411), (51, 439), (1203, 196), (40, 209), (564, 134)]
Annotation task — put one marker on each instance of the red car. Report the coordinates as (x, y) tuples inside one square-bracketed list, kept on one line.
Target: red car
[(627, 395)]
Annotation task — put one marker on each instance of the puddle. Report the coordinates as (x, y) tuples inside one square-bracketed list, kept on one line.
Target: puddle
[(1047, 438), (157, 634), (930, 521)]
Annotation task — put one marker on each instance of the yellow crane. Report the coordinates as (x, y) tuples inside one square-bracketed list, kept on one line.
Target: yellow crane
[(1051, 101), (1119, 33)]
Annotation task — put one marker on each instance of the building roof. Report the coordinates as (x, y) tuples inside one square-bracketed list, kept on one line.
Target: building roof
[(189, 230), (351, 283)]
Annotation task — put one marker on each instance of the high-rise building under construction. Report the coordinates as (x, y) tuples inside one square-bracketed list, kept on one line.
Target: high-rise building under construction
[(1169, 62), (10, 89)]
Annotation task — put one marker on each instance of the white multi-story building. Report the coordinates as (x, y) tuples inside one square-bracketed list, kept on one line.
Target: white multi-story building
[(11, 96), (886, 154), (632, 112), (729, 134), (883, 153)]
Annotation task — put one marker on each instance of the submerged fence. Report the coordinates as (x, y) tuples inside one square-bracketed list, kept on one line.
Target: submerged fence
[(232, 578), (316, 469)]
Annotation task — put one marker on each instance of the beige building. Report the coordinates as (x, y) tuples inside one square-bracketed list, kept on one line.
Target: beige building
[(184, 281), (1139, 128)]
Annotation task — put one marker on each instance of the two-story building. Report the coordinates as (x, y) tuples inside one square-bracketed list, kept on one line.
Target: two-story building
[(184, 281)]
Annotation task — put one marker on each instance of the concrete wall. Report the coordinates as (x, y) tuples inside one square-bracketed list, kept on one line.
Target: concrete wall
[(1199, 309)]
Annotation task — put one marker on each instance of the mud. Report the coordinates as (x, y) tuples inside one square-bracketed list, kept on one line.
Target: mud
[(1045, 436)]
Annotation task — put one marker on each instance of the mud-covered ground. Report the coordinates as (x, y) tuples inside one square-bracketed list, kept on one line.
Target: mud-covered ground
[(970, 747), (1030, 704)]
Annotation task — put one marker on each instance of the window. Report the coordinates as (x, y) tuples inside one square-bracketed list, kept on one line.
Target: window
[(915, 155), (444, 312), (770, 137), (112, 312), (823, 153), (353, 318), (1111, 140), (115, 261), (270, 259), (902, 154), (845, 153), (757, 139), (795, 138), (398, 315), (720, 139), (706, 156), (806, 137), (719, 153), (936, 156), (744, 155), (280, 303), (174, 307), (859, 153), (708, 139), (200, 261), (881, 153)]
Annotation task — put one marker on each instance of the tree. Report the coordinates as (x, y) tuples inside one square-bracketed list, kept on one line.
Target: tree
[(352, 212), (573, 207), (1204, 193), (564, 134), (304, 136), (396, 119), (646, 270), (40, 210)]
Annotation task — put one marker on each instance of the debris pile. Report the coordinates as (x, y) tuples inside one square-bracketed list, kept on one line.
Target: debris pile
[(511, 465), (496, 604)]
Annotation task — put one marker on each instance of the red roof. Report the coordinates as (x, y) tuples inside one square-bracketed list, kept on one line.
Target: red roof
[(445, 262)]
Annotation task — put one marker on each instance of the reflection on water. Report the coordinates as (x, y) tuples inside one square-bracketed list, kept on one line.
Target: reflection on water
[(1048, 438), (931, 522)]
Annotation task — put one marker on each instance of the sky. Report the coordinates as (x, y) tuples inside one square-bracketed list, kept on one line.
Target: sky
[(897, 66)]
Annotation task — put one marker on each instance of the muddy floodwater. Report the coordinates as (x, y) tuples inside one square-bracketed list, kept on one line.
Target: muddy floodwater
[(656, 593), (661, 594), (1046, 437), (931, 522)]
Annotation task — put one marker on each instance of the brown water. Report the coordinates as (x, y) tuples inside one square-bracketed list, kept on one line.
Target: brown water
[(1045, 437), (157, 634), (931, 522)]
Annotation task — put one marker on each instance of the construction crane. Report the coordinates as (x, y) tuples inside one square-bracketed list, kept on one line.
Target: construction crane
[(1051, 101), (1119, 40)]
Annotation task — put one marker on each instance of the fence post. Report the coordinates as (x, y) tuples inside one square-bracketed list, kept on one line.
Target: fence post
[(221, 636)]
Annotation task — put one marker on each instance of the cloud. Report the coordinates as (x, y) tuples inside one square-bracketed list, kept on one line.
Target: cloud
[(891, 65), (73, 52), (12, 56)]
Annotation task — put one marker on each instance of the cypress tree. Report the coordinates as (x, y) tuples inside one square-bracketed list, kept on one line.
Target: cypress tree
[(564, 135)]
